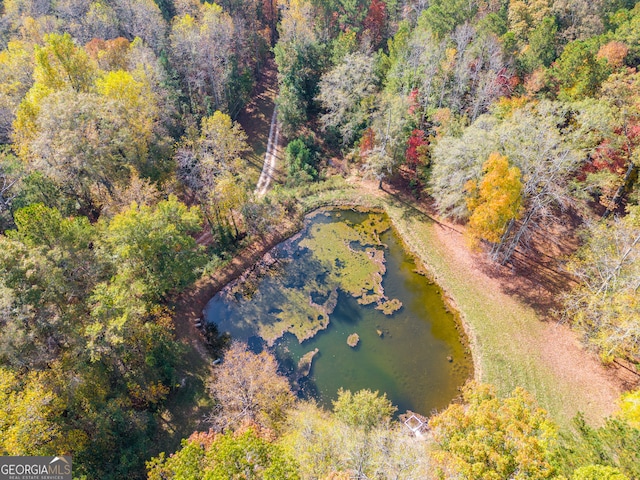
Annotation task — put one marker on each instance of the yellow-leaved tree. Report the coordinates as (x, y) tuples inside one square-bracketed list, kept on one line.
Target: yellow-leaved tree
[(59, 64), (630, 408), (27, 415), (135, 101), (605, 306), (495, 202), (489, 438)]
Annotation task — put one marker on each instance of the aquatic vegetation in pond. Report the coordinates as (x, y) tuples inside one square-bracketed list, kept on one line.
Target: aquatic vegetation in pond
[(347, 272), (305, 363), (390, 306), (344, 256), (357, 271)]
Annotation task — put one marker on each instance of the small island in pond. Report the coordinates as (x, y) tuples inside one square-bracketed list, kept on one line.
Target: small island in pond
[(305, 363), (389, 307), (353, 340)]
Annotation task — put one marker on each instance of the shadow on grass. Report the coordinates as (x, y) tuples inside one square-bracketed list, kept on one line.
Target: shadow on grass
[(533, 276), (411, 210)]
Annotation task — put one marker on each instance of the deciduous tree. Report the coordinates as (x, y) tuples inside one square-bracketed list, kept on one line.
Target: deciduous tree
[(28, 410), (202, 51), (495, 201), (604, 307), (299, 60), (141, 18), (10, 176), (375, 23), (100, 21), (364, 409), (610, 449), (578, 71), (248, 388), (60, 63), (47, 270), (417, 153), (249, 453), (138, 104), (526, 15), (389, 125), (346, 93), (489, 438), (630, 408), (530, 138), (614, 53), (598, 472), (16, 72), (205, 160), (357, 441), (580, 19), (82, 142), (155, 245)]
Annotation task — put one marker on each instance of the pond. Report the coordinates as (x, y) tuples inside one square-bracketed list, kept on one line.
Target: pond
[(347, 273)]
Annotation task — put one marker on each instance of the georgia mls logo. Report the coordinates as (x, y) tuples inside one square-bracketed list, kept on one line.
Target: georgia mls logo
[(62, 465), (35, 468)]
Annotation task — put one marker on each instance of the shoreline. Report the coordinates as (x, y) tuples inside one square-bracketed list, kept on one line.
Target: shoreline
[(510, 343)]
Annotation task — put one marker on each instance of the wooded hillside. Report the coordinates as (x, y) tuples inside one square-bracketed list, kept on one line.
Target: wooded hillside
[(125, 178)]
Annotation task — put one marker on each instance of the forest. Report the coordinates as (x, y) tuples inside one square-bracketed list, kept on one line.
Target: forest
[(129, 159)]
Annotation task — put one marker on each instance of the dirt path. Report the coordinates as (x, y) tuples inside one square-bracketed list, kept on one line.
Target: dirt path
[(256, 119), (187, 406), (191, 303), (555, 346), (270, 157)]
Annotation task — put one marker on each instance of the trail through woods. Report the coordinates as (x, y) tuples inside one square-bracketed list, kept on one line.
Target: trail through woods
[(270, 156)]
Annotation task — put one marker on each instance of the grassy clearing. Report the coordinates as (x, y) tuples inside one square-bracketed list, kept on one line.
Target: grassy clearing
[(506, 335), (498, 324)]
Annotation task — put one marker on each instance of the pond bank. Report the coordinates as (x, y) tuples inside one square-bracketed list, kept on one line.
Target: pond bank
[(338, 282), (512, 344)]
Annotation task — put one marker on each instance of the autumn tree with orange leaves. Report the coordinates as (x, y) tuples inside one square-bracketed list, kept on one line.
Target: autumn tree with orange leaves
[(495, 201)]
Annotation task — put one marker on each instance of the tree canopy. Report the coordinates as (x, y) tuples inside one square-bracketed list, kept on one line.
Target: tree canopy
[(131, 134)]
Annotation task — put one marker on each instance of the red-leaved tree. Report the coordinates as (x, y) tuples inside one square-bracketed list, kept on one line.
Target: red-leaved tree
[(417, 151), (376, 22), (367, 142)]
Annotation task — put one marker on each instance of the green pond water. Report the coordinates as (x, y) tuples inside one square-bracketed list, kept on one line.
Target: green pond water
[(347, 272)]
